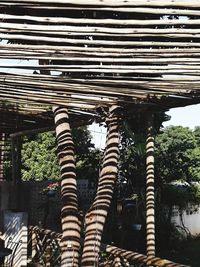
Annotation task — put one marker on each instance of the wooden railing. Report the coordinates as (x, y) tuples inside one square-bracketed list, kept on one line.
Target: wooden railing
[(45, 251), (44, 246)]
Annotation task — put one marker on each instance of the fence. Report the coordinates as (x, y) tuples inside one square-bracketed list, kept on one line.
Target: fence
[(45, 251)]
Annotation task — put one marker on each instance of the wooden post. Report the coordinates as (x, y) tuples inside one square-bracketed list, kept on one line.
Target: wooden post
[(48, 253), (16, 159), (2, 152), (96, 216), (16, 145), (117, 262), (70, 242), (150, 201), (33, 243)]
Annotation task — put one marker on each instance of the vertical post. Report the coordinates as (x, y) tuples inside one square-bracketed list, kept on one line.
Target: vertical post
[(34, 243), (70, 242), (48, 253), (150, 200), (97, 214), (16, 171), (2, 152), (44, 62), (16, 159)]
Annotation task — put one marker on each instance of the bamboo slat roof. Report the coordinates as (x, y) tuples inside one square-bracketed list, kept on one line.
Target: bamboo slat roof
[(90, 54)]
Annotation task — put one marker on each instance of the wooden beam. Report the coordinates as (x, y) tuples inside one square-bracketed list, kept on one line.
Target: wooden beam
[(98, 30), (98, 42), (106, 68), (86, 21), (156, 10), (58, 49), (73, 123), (32, 131), (149, 3)]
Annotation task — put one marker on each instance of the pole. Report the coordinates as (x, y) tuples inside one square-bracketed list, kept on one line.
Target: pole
[(150, 199)]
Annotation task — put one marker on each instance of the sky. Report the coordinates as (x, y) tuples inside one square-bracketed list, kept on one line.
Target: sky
[(185, 116)]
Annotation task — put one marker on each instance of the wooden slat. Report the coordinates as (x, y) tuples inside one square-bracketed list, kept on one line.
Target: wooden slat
[(97, 42), (120, 51), (18, 98), (175, 59), (114, 63), (86, 21), (81, 89), (81, 30), (65, 83), (135, 35), (104, 68), (124, 88), (163, 3), (157, 11), (143, 10), (152, 60)]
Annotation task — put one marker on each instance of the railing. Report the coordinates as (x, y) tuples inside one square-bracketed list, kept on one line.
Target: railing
[(44, 246), (45, 251)]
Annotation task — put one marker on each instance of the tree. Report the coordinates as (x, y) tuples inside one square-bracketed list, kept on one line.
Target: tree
[(177, 164), (40, 162), (197, 134), (132, 152), (176, 158), (177, 155)]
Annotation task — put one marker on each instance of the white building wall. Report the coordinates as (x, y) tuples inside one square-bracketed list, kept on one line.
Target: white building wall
[(191, 219)]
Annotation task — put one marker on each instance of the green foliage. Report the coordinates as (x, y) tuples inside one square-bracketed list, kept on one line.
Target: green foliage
[(177, 167), (176, 159), (39, 159), (87, 157), (194, 168), (197, 134), (177, 155), (133, 145)]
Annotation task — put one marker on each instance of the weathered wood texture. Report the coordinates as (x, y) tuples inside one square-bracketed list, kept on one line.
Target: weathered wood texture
[(100, 53), (150, 198), (118, 252), (96, 216), (167, 3), (70, 242)]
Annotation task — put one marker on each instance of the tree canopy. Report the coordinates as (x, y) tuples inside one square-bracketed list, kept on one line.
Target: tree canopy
[(133, 154), (40, 162), (177, 163), (178, 154)]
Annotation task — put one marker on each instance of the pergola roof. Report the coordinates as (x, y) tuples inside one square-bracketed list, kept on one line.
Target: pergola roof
[(90, 54)]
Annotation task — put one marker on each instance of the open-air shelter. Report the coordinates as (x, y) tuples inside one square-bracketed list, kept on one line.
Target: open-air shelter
[(70, 62)]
